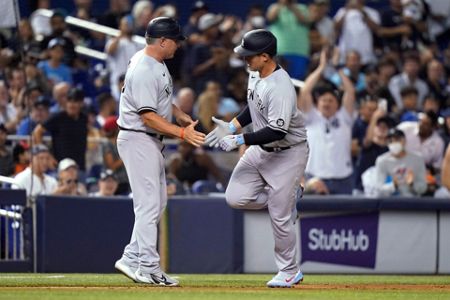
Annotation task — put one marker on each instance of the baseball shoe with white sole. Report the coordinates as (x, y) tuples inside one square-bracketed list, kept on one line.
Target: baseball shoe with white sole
[(127, 269), (286, 280), (159, 278)]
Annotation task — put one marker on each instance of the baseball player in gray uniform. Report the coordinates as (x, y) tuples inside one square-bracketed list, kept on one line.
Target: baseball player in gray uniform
[(268, 174), (145, 112)]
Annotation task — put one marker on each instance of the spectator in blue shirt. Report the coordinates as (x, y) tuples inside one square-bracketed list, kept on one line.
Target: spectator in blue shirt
[(352, 69), (53, 68), (39, 114)]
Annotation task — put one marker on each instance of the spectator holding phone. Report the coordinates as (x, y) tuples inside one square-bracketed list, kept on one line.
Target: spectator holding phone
[(373, 144), (355, 25)]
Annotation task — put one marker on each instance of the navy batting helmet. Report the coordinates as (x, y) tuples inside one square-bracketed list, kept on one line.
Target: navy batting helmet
[(256, 42), (164, 27)]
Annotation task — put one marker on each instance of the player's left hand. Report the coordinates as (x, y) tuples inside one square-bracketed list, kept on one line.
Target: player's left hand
[(184, 120), (231, 142)]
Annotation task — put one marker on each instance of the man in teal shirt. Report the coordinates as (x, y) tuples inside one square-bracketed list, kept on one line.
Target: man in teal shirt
[(290, 24)]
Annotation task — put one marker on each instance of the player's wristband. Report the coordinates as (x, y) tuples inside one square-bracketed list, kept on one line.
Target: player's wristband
[(182, 133), (232, 128), (240, 139)]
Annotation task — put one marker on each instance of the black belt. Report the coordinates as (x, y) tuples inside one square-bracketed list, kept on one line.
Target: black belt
[(274, 149), (155, 135)]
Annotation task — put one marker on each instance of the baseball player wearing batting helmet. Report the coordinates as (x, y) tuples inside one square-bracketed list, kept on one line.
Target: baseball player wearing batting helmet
[(145, 113), (268, 174)]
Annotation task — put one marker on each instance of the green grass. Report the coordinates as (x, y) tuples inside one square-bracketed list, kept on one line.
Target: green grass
[(233, 287)]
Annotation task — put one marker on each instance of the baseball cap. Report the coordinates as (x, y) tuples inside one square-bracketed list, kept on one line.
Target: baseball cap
[(42, 101), (386, 120), (66, 163), (33, 85), (208, 20), (258, 22), (3, 128), (75, 94), (110, 124), (108, 173), (228, 106), (395, 133), (199, 5), (39, 148), (56, 42), (446, 112)]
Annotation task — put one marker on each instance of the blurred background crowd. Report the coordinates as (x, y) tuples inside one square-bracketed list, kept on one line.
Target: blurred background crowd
[(376, 96)]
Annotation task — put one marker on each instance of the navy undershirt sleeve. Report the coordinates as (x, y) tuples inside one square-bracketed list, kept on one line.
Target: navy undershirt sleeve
[(244, 118), (263, 136)]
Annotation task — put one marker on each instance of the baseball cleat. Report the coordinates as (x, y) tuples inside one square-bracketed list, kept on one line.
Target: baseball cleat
[(126, 269), (285, 280), (160, 278)]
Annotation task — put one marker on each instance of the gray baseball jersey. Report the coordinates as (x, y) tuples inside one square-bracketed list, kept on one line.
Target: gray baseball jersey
[(273, 102), (264, 179), (148, 87)]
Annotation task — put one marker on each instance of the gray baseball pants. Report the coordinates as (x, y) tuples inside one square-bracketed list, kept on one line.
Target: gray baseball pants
[(270, 180), (144, 162)]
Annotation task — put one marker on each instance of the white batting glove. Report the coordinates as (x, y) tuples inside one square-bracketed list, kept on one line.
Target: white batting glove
[(231, 142), (222, 129)]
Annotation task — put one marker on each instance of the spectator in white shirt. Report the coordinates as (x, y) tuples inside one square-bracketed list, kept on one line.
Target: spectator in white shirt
[(33, 179), (329, 126), (355, 25), (423, 139), (318, 11), (409, 77), (120, 49)]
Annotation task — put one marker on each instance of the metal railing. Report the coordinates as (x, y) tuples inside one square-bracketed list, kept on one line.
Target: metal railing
[(17, 238), (110, 32), (77, 22), (11, 233)]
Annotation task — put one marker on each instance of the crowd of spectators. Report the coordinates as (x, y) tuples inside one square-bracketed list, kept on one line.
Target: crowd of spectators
[(376, 94)]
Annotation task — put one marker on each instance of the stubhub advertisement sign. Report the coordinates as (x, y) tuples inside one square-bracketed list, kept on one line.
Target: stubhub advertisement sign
[(340, 239)]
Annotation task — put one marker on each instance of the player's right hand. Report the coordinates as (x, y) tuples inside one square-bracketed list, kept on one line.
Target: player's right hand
[(222, 130), (193, 136)]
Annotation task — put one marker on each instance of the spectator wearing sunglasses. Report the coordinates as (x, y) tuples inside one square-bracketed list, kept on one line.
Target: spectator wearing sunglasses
[(68, 179)]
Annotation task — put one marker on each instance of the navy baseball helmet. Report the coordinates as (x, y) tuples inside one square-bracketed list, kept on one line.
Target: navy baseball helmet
[(256, 42), (164, 27)]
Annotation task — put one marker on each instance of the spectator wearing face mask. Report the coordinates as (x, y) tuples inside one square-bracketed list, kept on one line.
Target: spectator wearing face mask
[(399, 172)]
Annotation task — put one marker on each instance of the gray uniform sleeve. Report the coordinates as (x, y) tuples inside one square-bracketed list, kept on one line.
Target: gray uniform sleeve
[(383, 188), (279, 111), (145, 92)]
